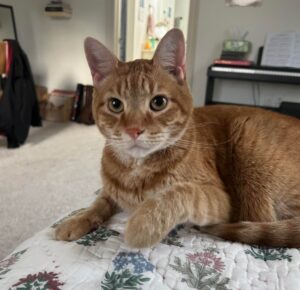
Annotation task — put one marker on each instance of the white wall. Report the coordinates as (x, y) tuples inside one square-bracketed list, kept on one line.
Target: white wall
[(215, 21), (6, 24), (27, 20), (55, 47)]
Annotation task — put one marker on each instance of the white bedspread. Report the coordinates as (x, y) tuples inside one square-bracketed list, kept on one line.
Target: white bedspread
[(186, 259)]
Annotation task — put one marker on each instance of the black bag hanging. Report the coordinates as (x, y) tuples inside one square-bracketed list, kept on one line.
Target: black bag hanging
[(19, 106)]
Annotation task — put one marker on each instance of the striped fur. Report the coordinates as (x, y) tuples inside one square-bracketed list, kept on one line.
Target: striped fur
[(233, 171)]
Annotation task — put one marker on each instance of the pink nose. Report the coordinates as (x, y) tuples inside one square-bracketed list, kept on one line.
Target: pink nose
[(134, 133)]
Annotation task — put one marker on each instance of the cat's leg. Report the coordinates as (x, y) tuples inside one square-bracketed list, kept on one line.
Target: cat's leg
[(75, 227), (157, 216)]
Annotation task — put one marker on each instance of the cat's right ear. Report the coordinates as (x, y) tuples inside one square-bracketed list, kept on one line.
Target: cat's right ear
[(101, 61), (170, 53)]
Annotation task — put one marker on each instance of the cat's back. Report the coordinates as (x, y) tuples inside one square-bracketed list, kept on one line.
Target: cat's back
[(229, 113), (261, 144), (228, 118), (245, 125)]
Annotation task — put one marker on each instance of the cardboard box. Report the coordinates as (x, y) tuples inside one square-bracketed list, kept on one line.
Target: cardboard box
[(59, 106)]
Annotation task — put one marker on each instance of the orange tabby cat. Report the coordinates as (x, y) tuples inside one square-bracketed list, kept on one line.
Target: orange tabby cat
[(234, 170)]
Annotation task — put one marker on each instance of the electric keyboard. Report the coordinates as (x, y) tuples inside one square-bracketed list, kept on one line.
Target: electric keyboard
[(256, 74), (252, 74), (269, 72)]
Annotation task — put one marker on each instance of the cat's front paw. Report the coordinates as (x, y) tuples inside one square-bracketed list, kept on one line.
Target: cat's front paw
[(74, 228), (143, 231)]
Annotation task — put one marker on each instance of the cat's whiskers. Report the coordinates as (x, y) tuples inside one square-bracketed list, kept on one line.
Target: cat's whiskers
[(120, 145), (193, 126), (202, 145), (194, 145)]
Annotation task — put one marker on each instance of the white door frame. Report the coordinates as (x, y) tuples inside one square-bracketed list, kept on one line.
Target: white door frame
[(192, 40), (131, 11), (117, 24)]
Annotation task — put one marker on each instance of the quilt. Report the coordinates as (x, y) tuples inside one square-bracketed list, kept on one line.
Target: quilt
[(185, 259)]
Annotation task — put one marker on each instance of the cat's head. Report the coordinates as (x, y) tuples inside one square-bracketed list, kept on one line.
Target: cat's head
[(141, 106)]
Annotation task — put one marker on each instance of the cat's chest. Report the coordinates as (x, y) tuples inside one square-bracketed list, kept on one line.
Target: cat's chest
[(146, 184), (139, 185), (136, 173)]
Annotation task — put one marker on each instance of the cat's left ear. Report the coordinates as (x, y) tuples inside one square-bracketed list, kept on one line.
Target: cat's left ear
[(101, 61), (170, 53)]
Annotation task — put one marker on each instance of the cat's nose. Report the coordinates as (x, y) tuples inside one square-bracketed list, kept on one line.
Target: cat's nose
[(134, 133)]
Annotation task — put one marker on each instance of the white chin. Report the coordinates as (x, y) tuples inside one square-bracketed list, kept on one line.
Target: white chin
[(138, 152)]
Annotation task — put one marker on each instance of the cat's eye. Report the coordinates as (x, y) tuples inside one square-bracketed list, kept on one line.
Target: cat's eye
[(158, 103), (115, 105)]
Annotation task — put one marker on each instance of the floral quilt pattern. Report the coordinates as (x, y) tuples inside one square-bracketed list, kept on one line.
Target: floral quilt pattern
[(202, 270), (185, 259), (128, 270), (7, 264), (39, 281), (101, 234)]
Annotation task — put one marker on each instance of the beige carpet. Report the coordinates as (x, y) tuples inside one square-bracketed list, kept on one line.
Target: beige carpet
[(50, 175)]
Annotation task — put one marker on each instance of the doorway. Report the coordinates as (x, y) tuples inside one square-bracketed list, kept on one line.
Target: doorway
[(140, 24), (148, 21)]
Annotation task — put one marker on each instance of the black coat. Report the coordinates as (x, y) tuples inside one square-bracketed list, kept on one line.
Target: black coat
[(19, 106)]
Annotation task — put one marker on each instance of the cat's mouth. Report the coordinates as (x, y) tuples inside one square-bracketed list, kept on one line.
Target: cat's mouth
[(139, 150), (137, 146)]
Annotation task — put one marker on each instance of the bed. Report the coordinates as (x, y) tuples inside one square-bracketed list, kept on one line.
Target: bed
[(185, 259)]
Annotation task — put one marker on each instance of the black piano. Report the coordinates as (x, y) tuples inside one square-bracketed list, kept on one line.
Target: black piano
[(254, 74)]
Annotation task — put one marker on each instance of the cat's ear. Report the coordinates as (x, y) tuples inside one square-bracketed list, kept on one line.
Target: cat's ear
[(101, 61), (170, 53)]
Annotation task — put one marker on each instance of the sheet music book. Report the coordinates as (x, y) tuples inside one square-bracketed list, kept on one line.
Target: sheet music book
[(282, 50)]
